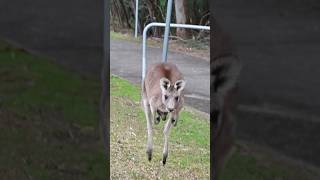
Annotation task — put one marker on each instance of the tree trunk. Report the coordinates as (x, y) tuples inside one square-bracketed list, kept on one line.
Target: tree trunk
[(181, 17), (154, 15), (124, 10)]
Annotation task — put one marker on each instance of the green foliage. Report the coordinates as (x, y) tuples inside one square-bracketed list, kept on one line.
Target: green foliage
[(122, 16), (198, 11), (163, 4)]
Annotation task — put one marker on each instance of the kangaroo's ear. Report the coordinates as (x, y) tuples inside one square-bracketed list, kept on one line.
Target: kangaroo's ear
[(224, 74), (179, 85), (164, 84)]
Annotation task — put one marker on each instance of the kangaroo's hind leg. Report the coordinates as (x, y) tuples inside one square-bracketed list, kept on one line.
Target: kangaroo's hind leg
[(166, 132), (147, 112)]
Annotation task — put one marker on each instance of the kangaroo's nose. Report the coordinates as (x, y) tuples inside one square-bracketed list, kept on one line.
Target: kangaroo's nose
[(170, 109)]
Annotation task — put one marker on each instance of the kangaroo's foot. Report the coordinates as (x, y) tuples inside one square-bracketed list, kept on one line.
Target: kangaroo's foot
[(164, 159), (149, 154), (174, 122)]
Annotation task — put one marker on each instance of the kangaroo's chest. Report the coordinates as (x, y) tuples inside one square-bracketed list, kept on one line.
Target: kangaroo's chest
[(162, 108)]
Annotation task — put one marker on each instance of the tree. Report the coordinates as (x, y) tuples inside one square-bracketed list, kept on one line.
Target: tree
[(181, 17), (186, 12)]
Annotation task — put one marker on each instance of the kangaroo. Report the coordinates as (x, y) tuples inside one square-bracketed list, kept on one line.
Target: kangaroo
[(225, 69), (162, 95)]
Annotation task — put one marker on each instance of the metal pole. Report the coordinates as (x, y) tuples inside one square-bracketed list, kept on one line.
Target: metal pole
[(144, 40), (166, 32), (105, 77), (144, 49), (136, 20)]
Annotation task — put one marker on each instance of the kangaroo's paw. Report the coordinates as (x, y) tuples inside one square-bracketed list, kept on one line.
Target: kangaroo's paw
[(157, 120)]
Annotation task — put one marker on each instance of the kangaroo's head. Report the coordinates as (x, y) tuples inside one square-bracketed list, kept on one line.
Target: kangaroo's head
[(171, 94)]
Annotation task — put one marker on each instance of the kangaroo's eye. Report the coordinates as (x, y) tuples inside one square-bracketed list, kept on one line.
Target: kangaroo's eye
[(165, 97), (177, 98)]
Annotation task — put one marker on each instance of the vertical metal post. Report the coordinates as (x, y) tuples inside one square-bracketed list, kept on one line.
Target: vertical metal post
[(144, 51), (136, 20), (166, 31), (105, 77)]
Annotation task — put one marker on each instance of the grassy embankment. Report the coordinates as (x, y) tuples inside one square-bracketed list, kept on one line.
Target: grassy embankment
[(48, 119)]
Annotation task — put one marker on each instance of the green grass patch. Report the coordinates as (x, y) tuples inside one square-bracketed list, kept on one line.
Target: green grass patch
[(123, 88), (35, 82), (189, 151), (124, 36), (48, 120), (251, 165)]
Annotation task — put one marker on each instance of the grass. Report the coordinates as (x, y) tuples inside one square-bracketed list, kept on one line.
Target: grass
[(124, 36), (188, 147), (48, 120), (250, 163), (189, 153)]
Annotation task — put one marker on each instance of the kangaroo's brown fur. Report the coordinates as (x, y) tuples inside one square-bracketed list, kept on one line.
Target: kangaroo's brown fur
[(162, 94)]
